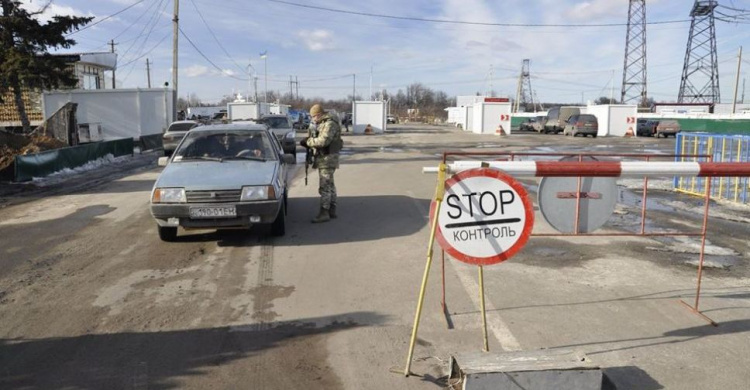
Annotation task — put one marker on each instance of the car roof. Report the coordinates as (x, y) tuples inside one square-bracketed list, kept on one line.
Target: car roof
[(274, 116), (185, 121), (230, 126)]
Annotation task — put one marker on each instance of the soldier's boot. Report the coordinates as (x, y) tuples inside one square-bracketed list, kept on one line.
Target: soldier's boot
[(323, 216), (332, 212)]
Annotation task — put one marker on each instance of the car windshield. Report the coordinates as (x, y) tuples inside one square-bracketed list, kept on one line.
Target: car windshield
[(220, 145), (181, 126), (277, 123)]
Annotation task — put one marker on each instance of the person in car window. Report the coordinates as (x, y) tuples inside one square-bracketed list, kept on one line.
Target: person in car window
[(326, 146)]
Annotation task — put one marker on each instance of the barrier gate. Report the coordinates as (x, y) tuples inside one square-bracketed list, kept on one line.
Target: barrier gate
[(578, 166)]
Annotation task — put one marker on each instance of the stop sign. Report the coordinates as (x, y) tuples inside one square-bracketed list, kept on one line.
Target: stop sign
[(485, 217)]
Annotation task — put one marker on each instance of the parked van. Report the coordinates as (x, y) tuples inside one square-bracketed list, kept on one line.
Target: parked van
[(557, 118)]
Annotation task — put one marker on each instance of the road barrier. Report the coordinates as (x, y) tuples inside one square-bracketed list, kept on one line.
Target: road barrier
[(576, 167), (719, 148)]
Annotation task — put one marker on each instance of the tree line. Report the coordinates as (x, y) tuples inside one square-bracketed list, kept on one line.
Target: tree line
[(425, 101)]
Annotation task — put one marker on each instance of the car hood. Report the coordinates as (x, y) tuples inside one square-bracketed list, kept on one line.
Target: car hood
[(214, 175)]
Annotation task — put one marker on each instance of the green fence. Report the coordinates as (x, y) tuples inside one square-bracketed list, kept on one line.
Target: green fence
[(716, 126), (42, 164)]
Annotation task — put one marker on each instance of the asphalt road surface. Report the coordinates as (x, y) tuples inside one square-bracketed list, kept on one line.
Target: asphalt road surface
[(90, 297)]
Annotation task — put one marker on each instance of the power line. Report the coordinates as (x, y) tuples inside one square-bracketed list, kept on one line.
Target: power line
[(146, 53), (207, 59), (215, 38), (465, 22), (108, 17)]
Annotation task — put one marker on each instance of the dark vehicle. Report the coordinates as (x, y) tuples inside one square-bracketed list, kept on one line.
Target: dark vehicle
[(527, 125), (391, 119), (301, 121), (281, 127), (583, 124), (646, 127), (665, 128)]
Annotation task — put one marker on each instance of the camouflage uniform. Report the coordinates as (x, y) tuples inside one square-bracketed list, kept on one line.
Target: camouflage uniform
[(327, 144)]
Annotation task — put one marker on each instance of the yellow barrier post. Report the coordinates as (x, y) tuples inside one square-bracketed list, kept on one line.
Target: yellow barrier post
[(439, 192), (484, 312), (723, 155), (737, 179)]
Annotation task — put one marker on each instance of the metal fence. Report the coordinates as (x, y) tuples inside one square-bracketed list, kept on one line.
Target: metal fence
[(717, 148)]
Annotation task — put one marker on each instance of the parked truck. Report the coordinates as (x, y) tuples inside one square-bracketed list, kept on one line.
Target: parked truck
[(557, 118)]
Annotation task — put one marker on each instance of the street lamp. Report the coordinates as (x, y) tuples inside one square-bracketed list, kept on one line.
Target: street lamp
[(254, 79), (264, 57)]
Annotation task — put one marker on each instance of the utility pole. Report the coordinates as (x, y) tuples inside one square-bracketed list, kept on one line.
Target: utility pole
[(296, 84), (634, 68), (354, 87), (175, 35), (737, 81), (291, 87), (112, 44), (492, 76), (148, 73), (700, 71)]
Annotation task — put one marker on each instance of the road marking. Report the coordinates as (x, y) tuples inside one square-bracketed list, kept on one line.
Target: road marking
[(497, 326)]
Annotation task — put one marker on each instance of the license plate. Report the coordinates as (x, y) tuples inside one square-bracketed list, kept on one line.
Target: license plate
[(213, 212)]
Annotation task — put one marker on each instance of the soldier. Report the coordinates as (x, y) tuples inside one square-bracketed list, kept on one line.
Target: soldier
[(326, 145)]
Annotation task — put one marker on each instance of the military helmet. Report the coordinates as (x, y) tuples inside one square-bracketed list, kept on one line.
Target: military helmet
[(316, 109)]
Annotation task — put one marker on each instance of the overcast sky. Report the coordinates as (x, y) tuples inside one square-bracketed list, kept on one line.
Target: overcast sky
[(323, 48)]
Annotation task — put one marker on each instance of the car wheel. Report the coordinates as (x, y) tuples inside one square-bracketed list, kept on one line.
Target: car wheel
[(167, 233), (278, 228), (593, 135)]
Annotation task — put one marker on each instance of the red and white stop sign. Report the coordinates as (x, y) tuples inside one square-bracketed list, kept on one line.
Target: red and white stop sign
[(485, 217)]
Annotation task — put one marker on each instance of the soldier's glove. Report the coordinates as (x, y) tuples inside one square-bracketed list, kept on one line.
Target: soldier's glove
[(303, 143)]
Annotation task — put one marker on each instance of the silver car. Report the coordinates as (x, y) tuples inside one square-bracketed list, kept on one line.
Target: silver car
[(174, 134), (220, 177), (281, 127)]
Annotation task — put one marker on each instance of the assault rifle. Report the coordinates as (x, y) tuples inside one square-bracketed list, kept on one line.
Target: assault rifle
[(312, 131)]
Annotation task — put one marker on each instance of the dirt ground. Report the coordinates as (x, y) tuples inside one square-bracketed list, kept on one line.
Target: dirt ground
[(15, 144)]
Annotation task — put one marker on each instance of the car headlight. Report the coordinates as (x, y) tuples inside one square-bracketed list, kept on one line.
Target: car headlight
[(168, 195), (258, 193), (289, 135)]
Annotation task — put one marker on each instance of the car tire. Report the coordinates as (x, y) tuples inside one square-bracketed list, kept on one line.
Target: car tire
[(167, 233), (278, 228), (593, 135)]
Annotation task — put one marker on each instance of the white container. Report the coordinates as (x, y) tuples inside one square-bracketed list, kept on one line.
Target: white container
[(487, 116), (121, 113), (368, 113), (614, 119), (247, 111)]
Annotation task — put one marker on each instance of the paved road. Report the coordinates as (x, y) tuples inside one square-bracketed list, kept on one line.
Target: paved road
[(90, 298)]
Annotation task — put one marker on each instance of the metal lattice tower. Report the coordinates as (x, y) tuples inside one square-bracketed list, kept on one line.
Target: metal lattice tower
[(700, 73), (634, 70), (524, 92)]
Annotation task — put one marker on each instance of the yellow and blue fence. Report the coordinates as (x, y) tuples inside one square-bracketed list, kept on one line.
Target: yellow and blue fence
[(721, 148)]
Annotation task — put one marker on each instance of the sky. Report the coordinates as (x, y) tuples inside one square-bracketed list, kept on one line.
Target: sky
[(321, 47)]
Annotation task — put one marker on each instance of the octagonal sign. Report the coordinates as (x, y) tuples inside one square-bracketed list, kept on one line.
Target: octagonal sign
[(485, 217)]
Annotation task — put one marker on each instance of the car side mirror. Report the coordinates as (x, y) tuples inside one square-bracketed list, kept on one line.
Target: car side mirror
[(289, 158), (162, 161)]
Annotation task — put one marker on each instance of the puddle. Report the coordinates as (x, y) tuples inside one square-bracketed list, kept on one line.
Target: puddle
[(634, 200)]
